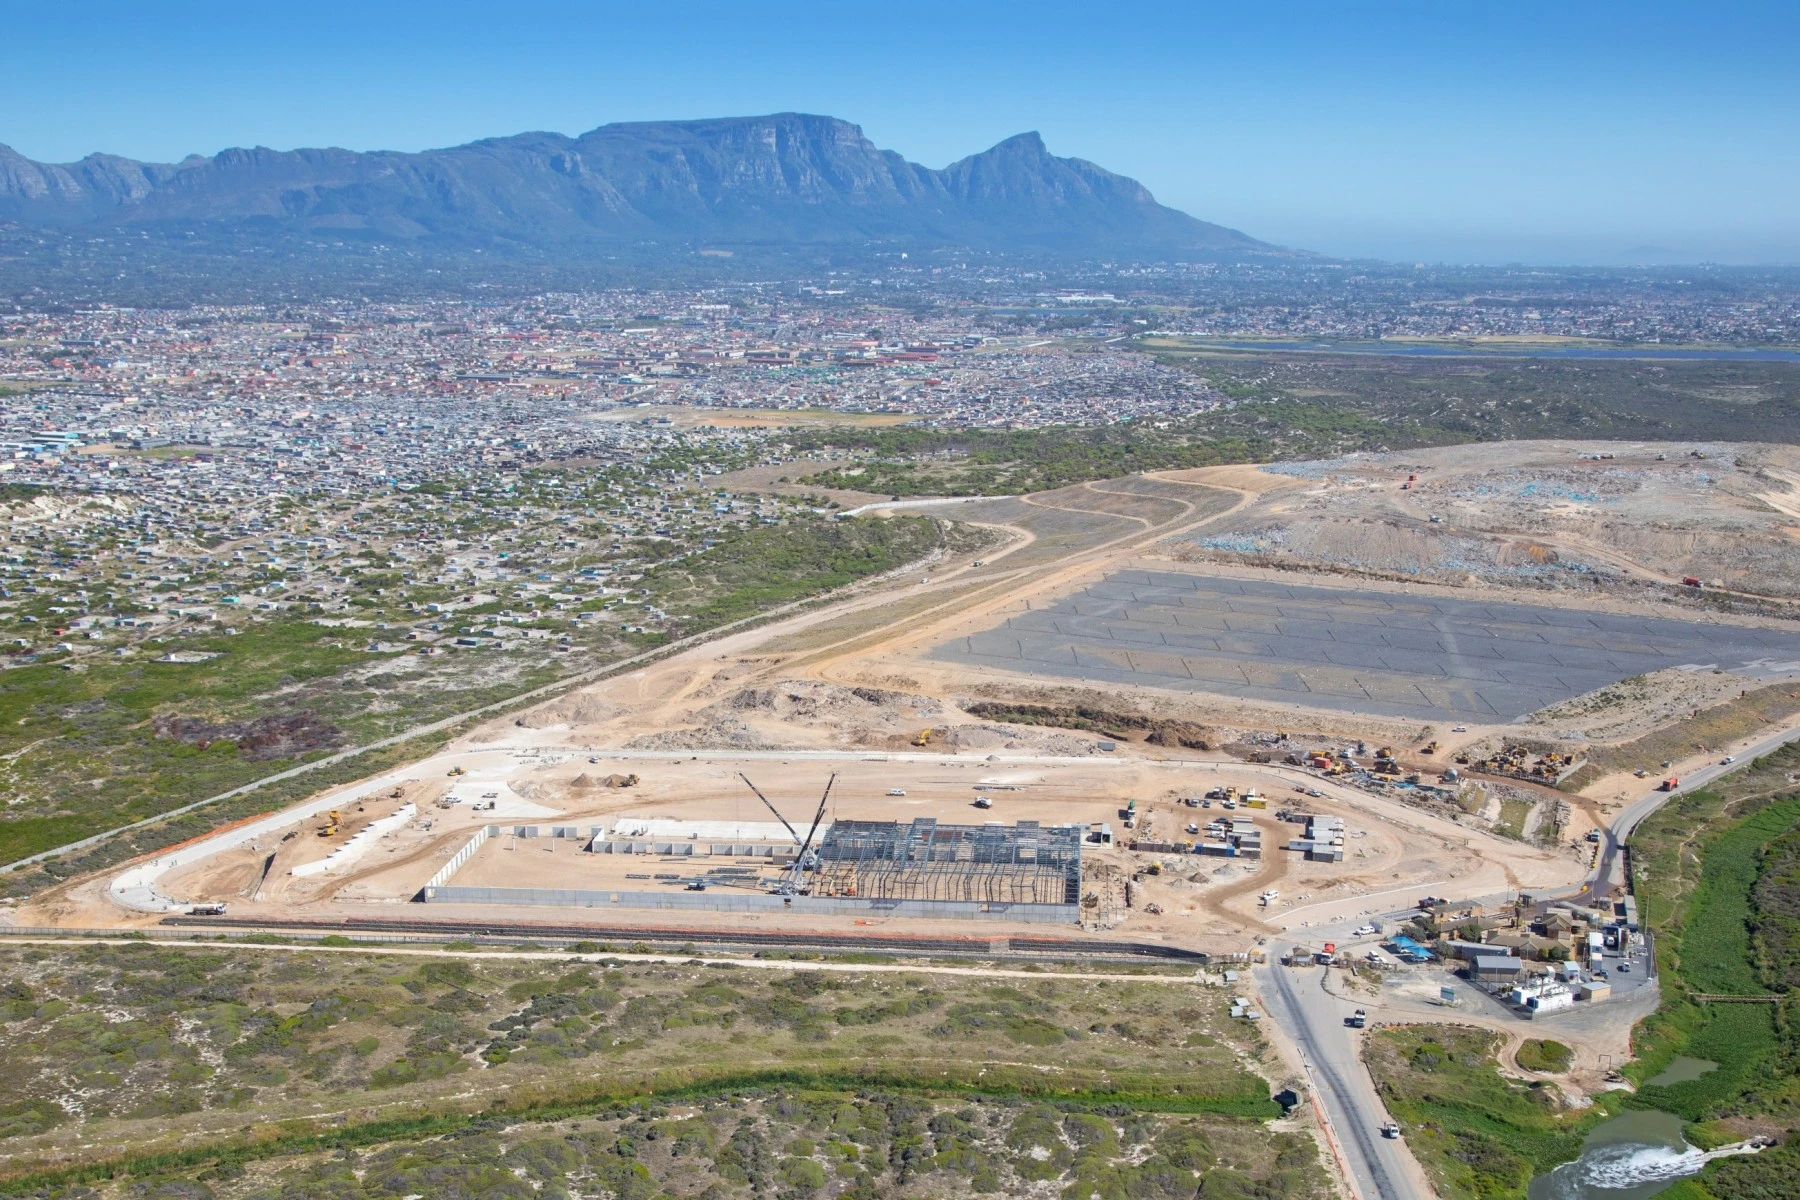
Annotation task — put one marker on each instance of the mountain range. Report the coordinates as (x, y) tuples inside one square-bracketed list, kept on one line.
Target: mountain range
[(786, 180)]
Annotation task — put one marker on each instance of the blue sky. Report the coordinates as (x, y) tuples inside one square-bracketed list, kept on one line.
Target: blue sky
[(1561, 133)]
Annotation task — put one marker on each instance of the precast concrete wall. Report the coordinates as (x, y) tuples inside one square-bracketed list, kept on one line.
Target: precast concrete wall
[(460, 857)]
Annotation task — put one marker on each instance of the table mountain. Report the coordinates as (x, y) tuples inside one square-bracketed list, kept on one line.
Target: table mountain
[(785, 180)]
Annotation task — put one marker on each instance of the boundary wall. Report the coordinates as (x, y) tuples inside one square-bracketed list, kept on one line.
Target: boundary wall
[(835, 906)]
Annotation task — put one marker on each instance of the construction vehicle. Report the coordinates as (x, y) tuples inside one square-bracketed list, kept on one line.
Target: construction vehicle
[(1430, 748), (330, 828), (214, 908), (1669, 784), (457, 771), (922, 737)]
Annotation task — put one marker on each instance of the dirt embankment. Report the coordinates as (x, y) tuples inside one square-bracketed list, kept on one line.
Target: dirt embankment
[(1701, 730), (1157, 731)]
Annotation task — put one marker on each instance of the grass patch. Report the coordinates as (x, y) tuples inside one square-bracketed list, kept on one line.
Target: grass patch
[(762, 568), (1512, 818), (90, 754)]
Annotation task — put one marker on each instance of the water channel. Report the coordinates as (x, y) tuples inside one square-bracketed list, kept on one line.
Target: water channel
[(1515, 350), (1631, 1157)]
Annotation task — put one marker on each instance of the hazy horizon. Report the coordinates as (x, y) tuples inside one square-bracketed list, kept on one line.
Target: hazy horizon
[(1640, 135)]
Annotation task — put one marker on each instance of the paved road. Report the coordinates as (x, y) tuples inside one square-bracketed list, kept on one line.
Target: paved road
[(1607, 868), (1380, 1169)]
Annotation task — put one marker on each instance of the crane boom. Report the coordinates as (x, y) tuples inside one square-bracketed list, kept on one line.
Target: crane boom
[(792, 832), (818, 816)]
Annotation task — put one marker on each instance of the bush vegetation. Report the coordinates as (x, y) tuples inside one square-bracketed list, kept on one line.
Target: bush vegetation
[(82, 751), (159, 1044), (1542, 1054)]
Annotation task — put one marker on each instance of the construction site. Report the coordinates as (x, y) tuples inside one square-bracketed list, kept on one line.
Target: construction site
[(1030, 735), (920, 868)]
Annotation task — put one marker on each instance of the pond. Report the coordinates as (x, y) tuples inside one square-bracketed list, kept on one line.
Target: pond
[(1682, 1069)]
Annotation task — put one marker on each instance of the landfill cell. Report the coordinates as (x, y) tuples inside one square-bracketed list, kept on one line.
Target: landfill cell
[(1396, 654)]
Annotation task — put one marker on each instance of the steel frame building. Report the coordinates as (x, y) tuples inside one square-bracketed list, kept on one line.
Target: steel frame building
[(1026, 863)]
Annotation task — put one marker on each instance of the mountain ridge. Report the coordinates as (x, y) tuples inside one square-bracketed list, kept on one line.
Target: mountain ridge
[(783, 179)]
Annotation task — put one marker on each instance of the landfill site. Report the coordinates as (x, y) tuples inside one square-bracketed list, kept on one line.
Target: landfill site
[(1179, 713)]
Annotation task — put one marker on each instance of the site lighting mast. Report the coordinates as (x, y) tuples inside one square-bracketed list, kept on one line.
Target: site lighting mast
[(803, 856)]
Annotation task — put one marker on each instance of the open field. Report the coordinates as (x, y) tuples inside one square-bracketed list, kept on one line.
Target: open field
[(137, 1050), (1348, 402)]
